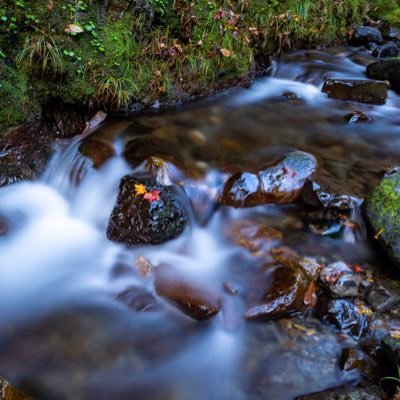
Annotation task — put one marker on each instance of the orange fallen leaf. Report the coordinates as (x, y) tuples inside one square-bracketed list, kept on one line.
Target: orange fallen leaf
[(140, 189), (225, 52), (178, 47), (310, 297)]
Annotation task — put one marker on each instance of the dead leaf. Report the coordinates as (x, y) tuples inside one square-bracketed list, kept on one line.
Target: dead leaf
[(178, 47), (73, 28), (310, 297), (225, 52), (308, 331)]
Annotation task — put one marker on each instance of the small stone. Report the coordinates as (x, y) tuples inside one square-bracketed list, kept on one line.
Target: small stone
[(357, 117), (231, 288), (138, 299), (363, 35), (383, 296), (340, 280), (351, 359), (194, 300), (362, 91), (143, 266)]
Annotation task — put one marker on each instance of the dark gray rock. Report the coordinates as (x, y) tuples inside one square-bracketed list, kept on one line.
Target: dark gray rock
[(386, 50), (363, 35), (139, 220), (344, 316), (382, 210), (386, 70), (369, 392), (362, 91), (383, 296), (391, 348), (138, 299), (281, 183), (351, 359)]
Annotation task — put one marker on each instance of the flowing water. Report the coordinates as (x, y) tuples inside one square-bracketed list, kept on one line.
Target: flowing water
[(64, 334)]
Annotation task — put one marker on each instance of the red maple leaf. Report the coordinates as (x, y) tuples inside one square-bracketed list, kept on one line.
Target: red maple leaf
[(152, 196)]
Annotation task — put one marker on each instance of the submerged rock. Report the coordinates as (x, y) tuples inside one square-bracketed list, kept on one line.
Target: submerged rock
[(145, 213), (386, 50), (386, 70), (281, 183), (369, 392), (363, 91), (138, 299), (284, 295), (382, 210), (193, 299), (363, 35), (351, 359), (356, 117), (97, 150)]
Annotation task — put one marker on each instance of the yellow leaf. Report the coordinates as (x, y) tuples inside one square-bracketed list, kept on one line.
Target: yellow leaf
[(225, 52), (140, 189), (73, 28)]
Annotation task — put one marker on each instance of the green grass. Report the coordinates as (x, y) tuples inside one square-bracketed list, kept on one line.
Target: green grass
[(191, 47)]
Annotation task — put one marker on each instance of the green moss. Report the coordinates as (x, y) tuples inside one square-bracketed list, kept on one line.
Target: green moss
[(79, 53)]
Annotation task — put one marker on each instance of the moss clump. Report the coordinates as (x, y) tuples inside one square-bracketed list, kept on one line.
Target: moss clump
[(110, 54)]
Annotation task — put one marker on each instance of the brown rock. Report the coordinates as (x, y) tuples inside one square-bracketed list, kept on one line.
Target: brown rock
[(284, 295), (363, 91), (195, 301), (97, 150), (351, 359)]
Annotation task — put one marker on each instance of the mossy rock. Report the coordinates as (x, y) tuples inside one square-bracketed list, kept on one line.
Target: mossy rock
[(382, 210)]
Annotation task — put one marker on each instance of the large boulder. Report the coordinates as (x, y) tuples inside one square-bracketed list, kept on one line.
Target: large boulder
[(145, 213), (364, 35), (362, 91), (386, 70), (280, 184), (382, 210)]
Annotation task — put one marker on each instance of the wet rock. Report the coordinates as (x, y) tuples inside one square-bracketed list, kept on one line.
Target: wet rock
[(386, 70), (140, 149), (97, 150), (383, 296), (369, 392), (3, 226), (386, 50), (143, 266), (391, 348), (194, 300), (382, 210), (24, 152), (153, 217), (357, 117), (351, 359), (318, 193), (281, 183), (362, 91), (340, 279), (138, 299), (363, 35), (256, 238), (286, 286), (344, 316), (329, 223), (9, 392)]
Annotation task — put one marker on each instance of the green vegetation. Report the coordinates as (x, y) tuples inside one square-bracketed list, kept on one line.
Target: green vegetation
[(79, 52)]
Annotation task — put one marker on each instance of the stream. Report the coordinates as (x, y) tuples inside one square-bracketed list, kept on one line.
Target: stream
[(69, 329)]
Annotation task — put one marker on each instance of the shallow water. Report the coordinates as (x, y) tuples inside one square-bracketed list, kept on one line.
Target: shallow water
[(64, 335)]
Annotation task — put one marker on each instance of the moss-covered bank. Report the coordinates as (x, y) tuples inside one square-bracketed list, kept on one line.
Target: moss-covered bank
[(114, 53)]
